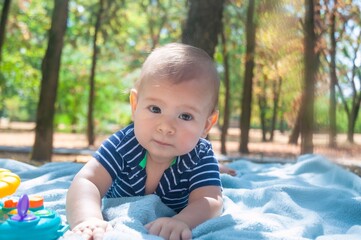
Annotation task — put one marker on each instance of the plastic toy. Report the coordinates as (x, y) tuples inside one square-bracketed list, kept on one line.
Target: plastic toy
[(25, 217), (26, 222), (35, 203), (9, 182)]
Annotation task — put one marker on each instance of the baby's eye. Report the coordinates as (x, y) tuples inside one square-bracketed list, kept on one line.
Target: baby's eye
[(186, 117), (154, 109)]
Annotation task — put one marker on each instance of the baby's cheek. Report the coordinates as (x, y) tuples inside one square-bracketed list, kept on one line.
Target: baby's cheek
[(188, 143)]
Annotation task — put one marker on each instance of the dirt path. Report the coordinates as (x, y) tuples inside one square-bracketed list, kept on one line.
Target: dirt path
[(22, 135)]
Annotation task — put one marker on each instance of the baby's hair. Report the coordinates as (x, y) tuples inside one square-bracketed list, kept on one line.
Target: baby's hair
[(179, 62)]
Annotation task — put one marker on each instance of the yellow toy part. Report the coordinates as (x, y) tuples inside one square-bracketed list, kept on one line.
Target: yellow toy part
[(9, 182)]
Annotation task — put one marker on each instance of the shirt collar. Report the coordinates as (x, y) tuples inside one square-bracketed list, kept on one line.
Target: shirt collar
[(143, 163)]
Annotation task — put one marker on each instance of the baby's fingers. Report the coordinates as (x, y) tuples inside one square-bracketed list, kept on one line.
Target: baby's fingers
[(153, 228), (86, 233), (93, 229), (148, 226), (98, 233), (186, 234)]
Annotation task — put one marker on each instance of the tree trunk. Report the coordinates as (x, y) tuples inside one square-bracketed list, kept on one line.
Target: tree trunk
[(262, 104), (311, 66), (353, 110), (248, 79), (4, 19), (282, 119), (204, 23), (225, 124), (333, 79), (43, 145), (350, 129), (356, 94), (262, 112), (353, 117), (295, 134), (293, 139), (277, 86), (90, 126)]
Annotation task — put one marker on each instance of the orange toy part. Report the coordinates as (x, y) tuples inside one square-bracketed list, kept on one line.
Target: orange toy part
[(10, 203), (9, 182), (36, 201)]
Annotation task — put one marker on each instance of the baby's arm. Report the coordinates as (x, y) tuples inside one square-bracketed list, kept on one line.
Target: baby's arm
[(83, 203), (204, 203)]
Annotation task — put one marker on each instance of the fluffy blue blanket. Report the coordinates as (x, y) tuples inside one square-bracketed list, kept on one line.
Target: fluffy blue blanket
[(310, 199)]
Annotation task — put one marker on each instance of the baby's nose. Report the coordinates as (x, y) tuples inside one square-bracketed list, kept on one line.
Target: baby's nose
[(166, 127)]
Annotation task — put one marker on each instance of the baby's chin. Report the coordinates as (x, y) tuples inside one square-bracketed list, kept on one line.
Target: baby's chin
[(166, 149)]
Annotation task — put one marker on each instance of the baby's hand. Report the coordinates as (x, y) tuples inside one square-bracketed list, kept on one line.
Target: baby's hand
[(169, 228), (92, 229)]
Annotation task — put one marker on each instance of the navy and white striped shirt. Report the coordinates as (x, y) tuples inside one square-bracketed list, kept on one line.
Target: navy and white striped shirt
[(121, 154)]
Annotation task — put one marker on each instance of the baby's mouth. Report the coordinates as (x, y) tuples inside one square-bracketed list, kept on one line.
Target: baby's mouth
[(161, 143)]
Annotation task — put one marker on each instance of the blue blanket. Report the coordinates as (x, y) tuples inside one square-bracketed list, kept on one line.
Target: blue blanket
[(310, 199)]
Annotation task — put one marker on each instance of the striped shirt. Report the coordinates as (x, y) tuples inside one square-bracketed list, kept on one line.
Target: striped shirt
[(121, 155)]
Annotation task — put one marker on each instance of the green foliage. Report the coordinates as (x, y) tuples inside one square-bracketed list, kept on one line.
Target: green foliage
[(23, 51), (124, 44), (322, 117)]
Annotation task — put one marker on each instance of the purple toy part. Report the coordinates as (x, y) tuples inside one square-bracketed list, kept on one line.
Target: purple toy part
[(23, 207)]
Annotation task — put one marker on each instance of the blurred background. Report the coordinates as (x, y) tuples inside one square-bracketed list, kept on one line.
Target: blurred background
[(290, 71)]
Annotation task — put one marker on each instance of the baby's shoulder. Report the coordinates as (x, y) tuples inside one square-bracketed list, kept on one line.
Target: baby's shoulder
[(123, 134), (204, 146)]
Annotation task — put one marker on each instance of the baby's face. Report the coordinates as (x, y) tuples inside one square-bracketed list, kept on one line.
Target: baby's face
[(170, 118)]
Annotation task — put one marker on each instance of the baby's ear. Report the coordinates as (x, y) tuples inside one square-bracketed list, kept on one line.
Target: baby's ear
[(212, 119), (133, 100)]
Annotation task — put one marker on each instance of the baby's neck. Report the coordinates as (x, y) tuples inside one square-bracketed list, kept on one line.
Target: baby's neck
[(160, 163)]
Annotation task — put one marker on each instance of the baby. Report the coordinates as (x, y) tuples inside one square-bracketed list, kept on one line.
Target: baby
[(163, 152)]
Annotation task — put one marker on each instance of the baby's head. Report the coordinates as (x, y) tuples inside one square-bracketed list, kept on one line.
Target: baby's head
[(174, 101), (178, 63)]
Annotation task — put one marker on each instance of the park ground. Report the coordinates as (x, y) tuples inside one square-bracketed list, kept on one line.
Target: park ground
[(16, 140)]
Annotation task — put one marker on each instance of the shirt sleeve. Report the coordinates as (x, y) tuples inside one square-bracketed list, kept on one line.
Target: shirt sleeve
[(109, 157)]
